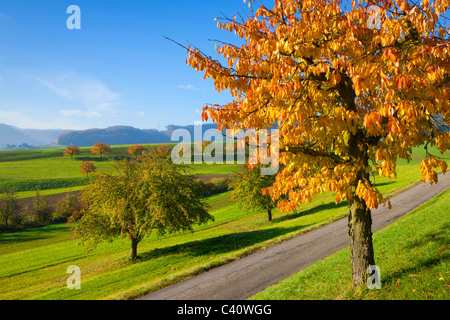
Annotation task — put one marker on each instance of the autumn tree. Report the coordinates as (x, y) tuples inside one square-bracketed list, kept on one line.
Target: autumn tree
[(71, 151), (247, 189), (101, 149), (143, 195), (135, 150), (349, 96), (88, 167)]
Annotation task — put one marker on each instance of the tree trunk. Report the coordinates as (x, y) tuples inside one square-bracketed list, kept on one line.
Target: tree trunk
[(360, 233), (134, 243), (269, 215)]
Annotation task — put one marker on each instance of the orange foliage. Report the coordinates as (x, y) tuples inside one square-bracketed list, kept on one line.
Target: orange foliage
[(346, 98), (101, 149)]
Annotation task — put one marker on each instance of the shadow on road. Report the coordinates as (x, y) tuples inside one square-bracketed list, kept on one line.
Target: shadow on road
[(218, 245)]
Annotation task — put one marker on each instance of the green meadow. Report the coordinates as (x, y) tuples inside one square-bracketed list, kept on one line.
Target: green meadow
[(24, 170), (412, 254), (33, 262)]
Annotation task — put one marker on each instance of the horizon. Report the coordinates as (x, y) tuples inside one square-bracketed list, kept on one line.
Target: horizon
[(109, 126)]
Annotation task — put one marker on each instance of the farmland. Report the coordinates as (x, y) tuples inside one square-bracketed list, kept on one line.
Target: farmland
[(33, 262), (24, 170)]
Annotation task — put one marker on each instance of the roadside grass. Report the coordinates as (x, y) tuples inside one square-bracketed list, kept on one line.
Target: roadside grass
[(412, 253), (33, 262)]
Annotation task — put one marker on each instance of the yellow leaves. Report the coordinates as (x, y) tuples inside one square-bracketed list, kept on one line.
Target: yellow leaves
[(409, 110), (357, 85), (299, 73), (403, 82), (428, 166), (395, 127), (392, 55), (384, 77), (371, 196), (372, 120)]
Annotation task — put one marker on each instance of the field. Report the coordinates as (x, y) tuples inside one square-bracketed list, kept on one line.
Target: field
[(33, 262), (23, 171)]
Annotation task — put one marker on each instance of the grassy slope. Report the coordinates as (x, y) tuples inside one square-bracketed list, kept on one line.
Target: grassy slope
[(33, 262), (412, 253)]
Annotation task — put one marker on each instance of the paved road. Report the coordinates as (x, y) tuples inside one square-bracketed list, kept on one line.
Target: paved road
[(243, 278)]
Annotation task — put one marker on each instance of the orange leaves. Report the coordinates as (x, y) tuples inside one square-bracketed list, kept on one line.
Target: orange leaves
[(371, 196), (372, 120), (428, 166), (394, 126), (403, 82), (392, 55), (299, 66), (205, 114)]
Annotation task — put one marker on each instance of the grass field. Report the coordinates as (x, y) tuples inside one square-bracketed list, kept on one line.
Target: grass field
[(33, 262), (412, 254), (24, 170)]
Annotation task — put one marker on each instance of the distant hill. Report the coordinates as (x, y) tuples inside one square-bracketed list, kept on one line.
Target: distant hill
[(113, 135), (119, 135), (191, 129), (44, 136), (13, 136)]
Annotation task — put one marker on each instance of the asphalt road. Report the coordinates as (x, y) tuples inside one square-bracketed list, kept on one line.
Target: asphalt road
[(243, 278)]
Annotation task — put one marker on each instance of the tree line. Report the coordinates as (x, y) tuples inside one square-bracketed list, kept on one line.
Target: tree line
[(36, 212)]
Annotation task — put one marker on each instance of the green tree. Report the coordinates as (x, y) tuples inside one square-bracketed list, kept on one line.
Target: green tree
[(8, 206), (247, 185), (141, 195), (66, 206), (41, 210)]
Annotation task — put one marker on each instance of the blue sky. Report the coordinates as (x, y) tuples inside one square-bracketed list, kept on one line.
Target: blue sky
[(117, 70)]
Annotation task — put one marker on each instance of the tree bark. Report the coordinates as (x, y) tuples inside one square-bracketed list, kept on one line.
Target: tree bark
[(360, 233), (133, 252), (269, 215)]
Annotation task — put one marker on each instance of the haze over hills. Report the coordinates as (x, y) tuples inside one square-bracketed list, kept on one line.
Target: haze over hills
[(10, 135), (116, 135)]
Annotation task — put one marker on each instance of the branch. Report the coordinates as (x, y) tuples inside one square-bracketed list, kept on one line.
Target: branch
[(314, 153)]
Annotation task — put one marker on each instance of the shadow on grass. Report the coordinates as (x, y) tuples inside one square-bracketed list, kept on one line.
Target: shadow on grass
[(325, 206), (420, 263), (92, 158), (441, 237), (218, 245), (30, 234), (383, 184)]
